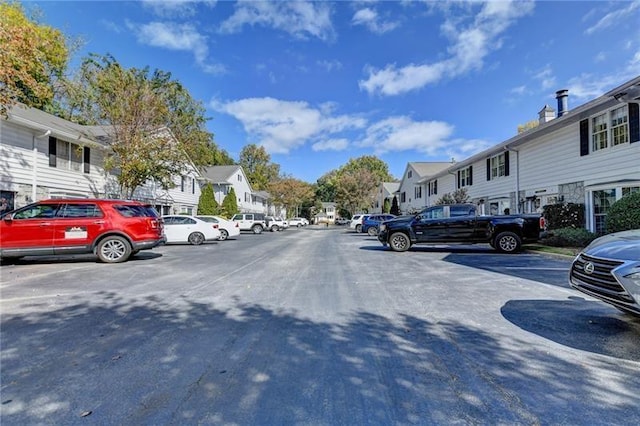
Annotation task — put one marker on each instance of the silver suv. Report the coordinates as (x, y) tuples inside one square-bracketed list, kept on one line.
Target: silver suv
[(253, 222)]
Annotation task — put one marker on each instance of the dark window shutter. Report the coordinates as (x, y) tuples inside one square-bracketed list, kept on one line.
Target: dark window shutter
[(87, 159), (52, 151), (634, 122), (488, 168), (435, 187), (470, 175), (506, 163), (584, 137), (458, 179), (429, 190)]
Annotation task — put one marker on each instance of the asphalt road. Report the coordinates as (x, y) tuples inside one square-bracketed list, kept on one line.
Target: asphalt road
[(311, 326)]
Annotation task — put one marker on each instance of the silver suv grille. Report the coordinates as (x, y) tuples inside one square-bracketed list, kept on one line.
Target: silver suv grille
[(594, 274)]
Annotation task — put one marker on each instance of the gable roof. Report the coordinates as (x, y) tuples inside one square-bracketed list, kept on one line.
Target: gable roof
[(36, 119), (391, 187), (220, 174), (429, 168)]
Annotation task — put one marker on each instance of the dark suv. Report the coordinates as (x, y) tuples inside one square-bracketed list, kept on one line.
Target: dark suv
[(112, 229)]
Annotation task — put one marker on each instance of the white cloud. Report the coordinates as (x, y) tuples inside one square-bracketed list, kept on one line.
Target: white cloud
[(590, 86), (331, 145), (282, 126), (546, 78), (301, 19), (370, 19), (403, 134), (329, 65), (470, 45), (176, 8), (179, 37), (615, 17)]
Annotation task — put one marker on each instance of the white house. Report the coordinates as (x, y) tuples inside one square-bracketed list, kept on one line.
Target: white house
[(43, 156), (588, 155), (223, 178), (386, 191), (410, 193)]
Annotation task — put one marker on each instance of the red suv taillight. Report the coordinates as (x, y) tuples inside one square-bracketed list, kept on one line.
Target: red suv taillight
[(543, 223)]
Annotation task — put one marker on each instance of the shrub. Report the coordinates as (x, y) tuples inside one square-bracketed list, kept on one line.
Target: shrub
[(207, 204), (564, 215), (624, 214), (569, 237)]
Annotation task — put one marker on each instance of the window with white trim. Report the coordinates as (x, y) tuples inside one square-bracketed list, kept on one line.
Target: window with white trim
[(417, 192), (619, 126), (599, 132), (68, 156), (498, 167), (465, 177)]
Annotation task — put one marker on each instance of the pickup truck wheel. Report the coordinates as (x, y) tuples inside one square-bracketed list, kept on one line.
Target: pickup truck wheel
[(507, 242), (257, 229), (373, 231), (113, 249), (399, 242), (358, 228), (196, 238), (275, 228)]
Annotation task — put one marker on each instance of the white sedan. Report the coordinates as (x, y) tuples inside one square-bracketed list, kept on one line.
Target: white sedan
[(298, 221), (227, 228), (189, 229)]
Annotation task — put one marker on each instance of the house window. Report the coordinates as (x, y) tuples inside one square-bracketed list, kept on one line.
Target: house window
[(599, 132), (239, 178), (417, 192), (247, 197), (602, 201), (498, 166), (182, 183), (69, 156), (619, 126), (630, 190), (464, 177), (403, 197), (433, 187), (409, 174)]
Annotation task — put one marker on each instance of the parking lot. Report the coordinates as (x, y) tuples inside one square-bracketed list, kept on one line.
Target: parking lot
[(312, 326)]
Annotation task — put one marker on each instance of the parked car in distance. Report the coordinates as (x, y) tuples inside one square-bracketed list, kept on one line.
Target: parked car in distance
[(356, 222), (226, 227), (298, 222), (609, 270), (253, 222), (285, 223), (371, 224), (114, 230), (342, 221), (189, 229), (274, 223)]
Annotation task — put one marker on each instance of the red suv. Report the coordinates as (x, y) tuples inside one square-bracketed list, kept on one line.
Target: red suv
[(112, 229)]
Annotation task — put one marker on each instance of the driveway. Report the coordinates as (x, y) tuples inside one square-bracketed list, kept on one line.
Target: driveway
[(312, 326)]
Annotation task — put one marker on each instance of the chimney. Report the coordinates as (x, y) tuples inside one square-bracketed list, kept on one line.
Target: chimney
[(563, 106), (546, 114)]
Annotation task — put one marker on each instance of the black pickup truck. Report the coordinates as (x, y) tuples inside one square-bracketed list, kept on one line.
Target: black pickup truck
[(459, 223)]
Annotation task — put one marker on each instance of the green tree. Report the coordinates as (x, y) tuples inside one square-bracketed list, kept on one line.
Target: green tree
[(132, 105), (326, 186), (291, 193), (386, 206), (258, 167), (33, 58), (357, 181), (458, 196), (230, 204), (395, 209), (207, 204), (624, 214)]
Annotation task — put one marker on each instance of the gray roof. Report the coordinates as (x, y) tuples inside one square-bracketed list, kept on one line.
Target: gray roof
[(220, 174), (58, 127), (429, 168)]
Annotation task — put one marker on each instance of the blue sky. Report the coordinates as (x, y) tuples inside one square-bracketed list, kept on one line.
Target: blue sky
[(318, 83)]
